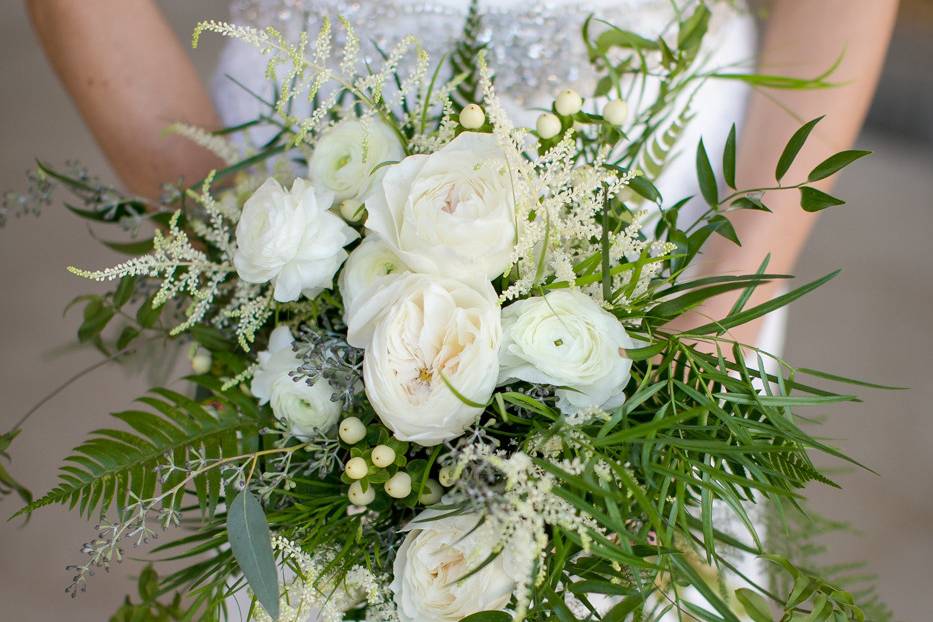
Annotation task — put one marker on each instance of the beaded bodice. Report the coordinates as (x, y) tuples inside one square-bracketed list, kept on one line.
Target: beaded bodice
[(537, 44)]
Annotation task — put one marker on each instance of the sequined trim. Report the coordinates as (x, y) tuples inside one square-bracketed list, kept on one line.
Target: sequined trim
[(537, 47)]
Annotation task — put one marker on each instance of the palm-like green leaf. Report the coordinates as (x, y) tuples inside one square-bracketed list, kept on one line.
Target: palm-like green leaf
[(114, 463)]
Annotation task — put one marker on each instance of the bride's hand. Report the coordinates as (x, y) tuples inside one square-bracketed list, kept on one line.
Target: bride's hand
[(800, 39), (130, 78)]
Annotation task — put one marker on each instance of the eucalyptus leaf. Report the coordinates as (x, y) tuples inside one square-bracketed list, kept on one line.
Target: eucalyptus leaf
[(251, 544)]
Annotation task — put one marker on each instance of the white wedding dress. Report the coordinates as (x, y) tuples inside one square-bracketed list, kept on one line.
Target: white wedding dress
[(536, 50)]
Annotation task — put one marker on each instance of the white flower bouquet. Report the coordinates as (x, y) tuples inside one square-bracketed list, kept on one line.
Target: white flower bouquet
[(432, 374)]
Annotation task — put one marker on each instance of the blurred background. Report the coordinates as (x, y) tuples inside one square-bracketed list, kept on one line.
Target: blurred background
[(871, 322)]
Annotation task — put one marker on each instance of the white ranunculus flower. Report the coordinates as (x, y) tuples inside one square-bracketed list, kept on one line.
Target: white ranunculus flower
[(307, 409), (435, 554), (291, 239), (367, 265), (451, 212), (346, 154), (417, 330), (567, 340)]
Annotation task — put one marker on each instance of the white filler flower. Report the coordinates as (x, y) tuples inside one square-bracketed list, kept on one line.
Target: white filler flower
[(451, 212), (346, 154), (420, 333), (435, 554), (291, 239), (367, 265), (566, 339), (307, 409)]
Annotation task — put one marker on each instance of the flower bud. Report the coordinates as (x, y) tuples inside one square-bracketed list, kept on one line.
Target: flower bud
[(568, 103), (431, 493), (352, 211), (446, 476), (201, 361), (399, 485), (352, 430), (359, 497), (383, 456), (548, 126), (356, 468), (615, 112), (472, 117)]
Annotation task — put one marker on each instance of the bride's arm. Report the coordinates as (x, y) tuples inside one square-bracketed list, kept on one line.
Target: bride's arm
[(800, 39), (130, 78)]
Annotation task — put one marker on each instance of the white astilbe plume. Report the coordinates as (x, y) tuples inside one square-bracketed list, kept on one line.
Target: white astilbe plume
[(429, 142), (315, 593), (218, 145), (187, 271), (320, 73)]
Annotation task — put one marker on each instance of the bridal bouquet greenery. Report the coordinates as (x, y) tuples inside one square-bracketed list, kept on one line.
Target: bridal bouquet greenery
[(432, 378)]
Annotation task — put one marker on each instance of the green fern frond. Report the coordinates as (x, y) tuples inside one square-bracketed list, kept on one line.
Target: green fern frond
[(463, 59), (796, 467), (114, 465), (800, 537), (657, 152)]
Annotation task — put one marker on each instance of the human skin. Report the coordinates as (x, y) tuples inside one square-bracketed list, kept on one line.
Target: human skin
[(801, 39), (130, 78)]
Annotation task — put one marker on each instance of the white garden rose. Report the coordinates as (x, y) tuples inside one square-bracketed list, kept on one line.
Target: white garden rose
[(435, 554), (346, 154), (367, 265), (451, 212), (291, 239), (308, 410), (566, 339), (419, 330)]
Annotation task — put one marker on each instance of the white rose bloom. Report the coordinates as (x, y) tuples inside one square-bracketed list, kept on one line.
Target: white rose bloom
[(368, 264), (434, 555), (346, 154), (307, 409), (451, 212), (567, 340), (291, 239), (418, 329)]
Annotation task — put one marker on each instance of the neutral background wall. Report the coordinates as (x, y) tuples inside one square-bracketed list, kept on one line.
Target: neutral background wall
[(872, 322)]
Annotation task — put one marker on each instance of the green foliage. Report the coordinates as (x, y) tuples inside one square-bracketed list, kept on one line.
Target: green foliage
[(487, 616), (797, 539), (8, 483), (115, 465), (248, 534), (463, 59), (149, 609), (793, 147)]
